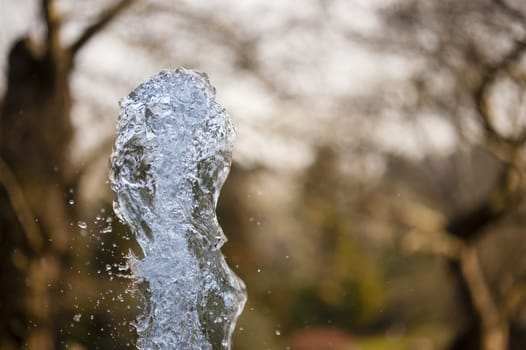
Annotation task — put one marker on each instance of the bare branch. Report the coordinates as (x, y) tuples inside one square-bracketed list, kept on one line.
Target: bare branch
[(241, 43), (488, 79), (243, 47), (495, 327), (504, 196), (20, 206), (494, 319), (512, 12), (98, 25), (438, 243), (52, 20), (513, 298)]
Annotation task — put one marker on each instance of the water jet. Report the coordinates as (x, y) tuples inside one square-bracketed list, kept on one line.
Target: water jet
[(171, 156)]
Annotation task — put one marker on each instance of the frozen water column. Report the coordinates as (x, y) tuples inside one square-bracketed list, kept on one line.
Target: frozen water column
[(171, 157)]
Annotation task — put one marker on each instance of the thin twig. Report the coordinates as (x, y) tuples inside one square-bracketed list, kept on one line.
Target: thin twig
[(244, 46), (512, 12), (52, 28), (488, 79), (20, 206), (100, 24), (513, 298), (495, 326)]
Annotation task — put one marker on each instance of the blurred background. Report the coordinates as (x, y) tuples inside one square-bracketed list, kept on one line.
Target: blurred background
[(376, 195)]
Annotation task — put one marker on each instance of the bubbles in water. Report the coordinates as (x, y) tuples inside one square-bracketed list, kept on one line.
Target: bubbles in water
[(171, 156)]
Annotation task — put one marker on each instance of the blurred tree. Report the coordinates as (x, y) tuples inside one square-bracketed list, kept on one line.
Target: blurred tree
[(469, 59), (37, 181), (466, 68), (344, 285)]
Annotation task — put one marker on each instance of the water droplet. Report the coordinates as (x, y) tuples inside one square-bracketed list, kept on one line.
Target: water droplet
[(77, 317), (82, 224), (277, 332)]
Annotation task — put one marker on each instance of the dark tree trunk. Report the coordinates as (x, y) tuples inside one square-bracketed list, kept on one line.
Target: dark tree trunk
[(35, 133), (36, 182)]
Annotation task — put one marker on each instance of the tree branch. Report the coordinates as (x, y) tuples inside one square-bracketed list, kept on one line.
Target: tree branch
[(52, 20), (438, 243), (512, 12), (98, 25), (502, 199), (508, 190), (20, 206), (513, 298), (495, 327), (243, 46), (488, 78)]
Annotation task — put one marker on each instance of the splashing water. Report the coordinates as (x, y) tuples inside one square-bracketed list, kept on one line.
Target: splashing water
[(171, 156)]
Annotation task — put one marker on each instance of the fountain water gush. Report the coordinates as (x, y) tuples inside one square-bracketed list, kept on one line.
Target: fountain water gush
[(171, 156)]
